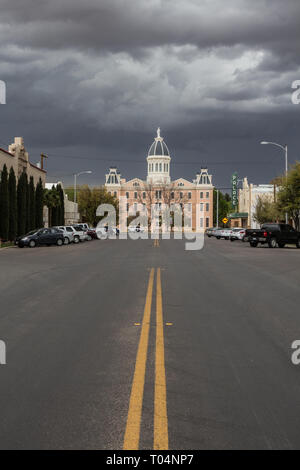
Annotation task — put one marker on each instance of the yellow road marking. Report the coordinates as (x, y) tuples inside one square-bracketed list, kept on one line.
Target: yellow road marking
[(133, 425), (137, 324), (169, 324), (161, 439)]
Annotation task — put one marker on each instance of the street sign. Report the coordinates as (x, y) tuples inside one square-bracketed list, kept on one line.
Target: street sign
[(225, 220)]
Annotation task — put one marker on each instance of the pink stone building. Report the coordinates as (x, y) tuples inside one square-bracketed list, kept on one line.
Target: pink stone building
[(194, 197)]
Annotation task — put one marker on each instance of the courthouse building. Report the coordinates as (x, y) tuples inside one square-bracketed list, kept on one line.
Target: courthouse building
[(158, 188)]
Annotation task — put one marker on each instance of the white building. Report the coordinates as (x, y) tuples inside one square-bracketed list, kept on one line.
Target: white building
[(249, 195)]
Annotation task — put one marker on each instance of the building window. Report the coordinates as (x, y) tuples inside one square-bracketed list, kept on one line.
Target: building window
[(207, 206), (181, 195), (156, 166), (135, 195), (160, 167), (190, 195), (201, 195), (201, 206), (158, 194), (172, 195), (207, 195), (207, 222), (115, 193), (127, 207), (144, 195), (127, 195)]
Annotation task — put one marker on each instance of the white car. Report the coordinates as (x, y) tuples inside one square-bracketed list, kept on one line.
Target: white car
[(68, 233), (238, 234), (223, 233)]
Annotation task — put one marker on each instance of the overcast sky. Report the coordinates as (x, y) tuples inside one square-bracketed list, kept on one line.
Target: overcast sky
[(93, 79)]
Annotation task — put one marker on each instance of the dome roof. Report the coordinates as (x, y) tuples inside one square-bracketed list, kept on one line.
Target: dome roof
[(158, 148)]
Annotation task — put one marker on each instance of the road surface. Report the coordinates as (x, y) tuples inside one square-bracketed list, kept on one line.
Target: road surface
[(118, 344)]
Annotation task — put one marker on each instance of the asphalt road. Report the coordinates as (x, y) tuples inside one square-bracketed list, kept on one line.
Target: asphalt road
[(118, 343)]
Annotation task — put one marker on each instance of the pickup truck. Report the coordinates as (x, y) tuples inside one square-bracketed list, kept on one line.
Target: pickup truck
[(274, 235)]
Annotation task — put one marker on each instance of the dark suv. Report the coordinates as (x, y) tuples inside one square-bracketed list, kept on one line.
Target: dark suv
[(43, 236)]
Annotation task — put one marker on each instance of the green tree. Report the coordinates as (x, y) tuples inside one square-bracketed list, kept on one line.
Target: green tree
[(52, 201), (31, 205), (266, 210), (4, 205), (12, 196), (22, 203), (224, 206), (288, 197), (61, 218), (39, 196)]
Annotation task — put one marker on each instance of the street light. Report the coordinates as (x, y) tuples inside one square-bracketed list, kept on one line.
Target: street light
[(75, 181), (75, 184), (285, 149)]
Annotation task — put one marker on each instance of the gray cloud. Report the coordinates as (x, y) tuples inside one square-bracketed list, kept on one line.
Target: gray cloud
[(96, 78)]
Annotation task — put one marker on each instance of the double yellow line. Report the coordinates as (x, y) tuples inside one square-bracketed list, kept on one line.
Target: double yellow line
[(133, 425)]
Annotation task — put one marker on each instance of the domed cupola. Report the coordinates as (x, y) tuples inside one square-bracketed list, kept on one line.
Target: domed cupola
[(158, 161)]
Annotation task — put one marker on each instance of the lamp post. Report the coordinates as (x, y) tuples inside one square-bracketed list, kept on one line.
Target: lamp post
[(75, 184), (285, 149)]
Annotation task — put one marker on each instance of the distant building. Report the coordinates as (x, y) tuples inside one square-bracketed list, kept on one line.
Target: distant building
[(158, 188), (71, 208), (17, 158), (248, 199)]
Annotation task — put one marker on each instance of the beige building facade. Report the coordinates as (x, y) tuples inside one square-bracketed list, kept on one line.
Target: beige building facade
[(17, 158), (249, 195), (195, 198)]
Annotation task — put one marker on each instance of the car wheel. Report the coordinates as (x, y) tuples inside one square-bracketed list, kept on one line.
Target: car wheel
[(66, 241), (298, 243), (32, 244), (59, 242), (232, 239), (272, 243), (76, 239), (253, 244), (218, 238)]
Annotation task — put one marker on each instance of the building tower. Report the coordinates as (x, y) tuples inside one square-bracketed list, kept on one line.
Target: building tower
[(158, 162)]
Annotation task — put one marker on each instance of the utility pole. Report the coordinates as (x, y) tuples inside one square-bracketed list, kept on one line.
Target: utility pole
[(42, 160), (217, 223)]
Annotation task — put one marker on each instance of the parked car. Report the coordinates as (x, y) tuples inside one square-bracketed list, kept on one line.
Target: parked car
[(274, 235), (80, 233), (91, 232), (106, 231), (238, 234), (135, 228), (209, 232), (223, 233), (68, 232), (43, 236)]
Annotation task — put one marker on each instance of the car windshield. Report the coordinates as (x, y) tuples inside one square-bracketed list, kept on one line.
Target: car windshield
[(30, 233)]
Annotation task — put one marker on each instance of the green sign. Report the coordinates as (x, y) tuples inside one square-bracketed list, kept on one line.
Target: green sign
[(234, 191)]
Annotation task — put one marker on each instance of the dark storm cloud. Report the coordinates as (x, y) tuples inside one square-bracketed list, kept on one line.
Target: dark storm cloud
[(95, 78)]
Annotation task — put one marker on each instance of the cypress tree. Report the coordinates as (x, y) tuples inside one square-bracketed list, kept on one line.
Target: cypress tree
[(31, 205), (22, 204), (39, 199), (4, 207), (62, 205), (12, 196)]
